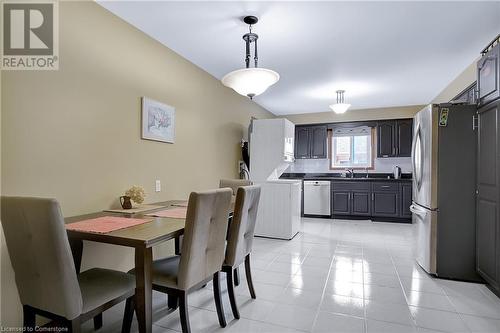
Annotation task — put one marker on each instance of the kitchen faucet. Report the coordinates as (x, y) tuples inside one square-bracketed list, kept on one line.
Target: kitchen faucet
[(351, 172)]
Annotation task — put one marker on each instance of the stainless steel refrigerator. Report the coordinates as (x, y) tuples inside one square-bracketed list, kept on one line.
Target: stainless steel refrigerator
[(444, 186)]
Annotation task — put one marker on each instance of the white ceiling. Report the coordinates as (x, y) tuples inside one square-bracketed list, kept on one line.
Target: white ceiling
[(382, 53)]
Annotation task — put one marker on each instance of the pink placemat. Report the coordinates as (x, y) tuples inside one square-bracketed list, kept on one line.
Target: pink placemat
[(105, 224), (181, 204), (176, 213)]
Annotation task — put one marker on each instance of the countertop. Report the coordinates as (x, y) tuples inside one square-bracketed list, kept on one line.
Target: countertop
[(405, 177)]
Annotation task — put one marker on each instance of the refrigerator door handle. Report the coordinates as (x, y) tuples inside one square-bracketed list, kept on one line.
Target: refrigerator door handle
[(416, 210)]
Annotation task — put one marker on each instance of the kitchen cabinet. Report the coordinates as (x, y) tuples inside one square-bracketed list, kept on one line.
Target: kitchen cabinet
[(360, 203), (385, 199), (488, 76), (385, 139), (351, 198), (406, 197), (341, 202), (310, 142), (302, 142), (394, 138), (404, 137), (467, 96), (487, 196)]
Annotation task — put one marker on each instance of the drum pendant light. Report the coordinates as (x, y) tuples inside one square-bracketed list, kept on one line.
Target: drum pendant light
[(250, 81)]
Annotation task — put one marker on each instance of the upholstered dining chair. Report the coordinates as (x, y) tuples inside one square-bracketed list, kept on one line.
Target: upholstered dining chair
[(240, 240), (233, 184), (201, 258), (45, 272)]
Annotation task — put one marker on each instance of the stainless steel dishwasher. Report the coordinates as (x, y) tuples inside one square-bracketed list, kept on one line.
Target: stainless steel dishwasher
[(317, 197)]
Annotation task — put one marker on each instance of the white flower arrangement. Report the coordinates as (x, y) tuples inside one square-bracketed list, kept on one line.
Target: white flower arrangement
[(136, 193)]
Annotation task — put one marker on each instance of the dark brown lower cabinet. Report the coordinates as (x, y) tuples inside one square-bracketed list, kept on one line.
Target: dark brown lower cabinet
[(365, 198), (361, 204), (488, 199), (406, 193), (341, 203), (386, 199)]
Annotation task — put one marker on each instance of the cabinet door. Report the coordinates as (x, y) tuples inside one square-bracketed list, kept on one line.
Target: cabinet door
[(404, 136), (341, 202), (487, 202), (488, 72), (406, 191), (302, 144), (318, 141), (385, 204), (361, 204), (385, 139)]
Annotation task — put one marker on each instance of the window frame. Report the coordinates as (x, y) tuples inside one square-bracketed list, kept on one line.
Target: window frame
[(330, 153)]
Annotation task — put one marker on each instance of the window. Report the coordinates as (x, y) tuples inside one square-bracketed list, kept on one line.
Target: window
[(351, 148)]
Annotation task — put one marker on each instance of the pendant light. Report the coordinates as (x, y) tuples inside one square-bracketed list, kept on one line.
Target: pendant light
[(340, 107), (250, 81)]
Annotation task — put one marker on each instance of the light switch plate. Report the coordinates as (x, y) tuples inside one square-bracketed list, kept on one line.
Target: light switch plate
[(158, 186)]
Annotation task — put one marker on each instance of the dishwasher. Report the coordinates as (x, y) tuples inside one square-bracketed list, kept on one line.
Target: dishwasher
[(317, 197)]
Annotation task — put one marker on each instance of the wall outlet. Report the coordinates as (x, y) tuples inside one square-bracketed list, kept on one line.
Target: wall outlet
[(158, 186)]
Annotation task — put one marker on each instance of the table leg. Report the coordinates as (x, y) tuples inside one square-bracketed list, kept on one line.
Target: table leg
[(144, 307), (178, 245), (77, 250)]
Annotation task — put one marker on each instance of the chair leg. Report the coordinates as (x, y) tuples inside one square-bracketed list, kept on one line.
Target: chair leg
[(183, 311), (29, 317), (248, 273), (230, 290), (128, 314), (236, 276), (172, 302), (218, 301), (98, 322)]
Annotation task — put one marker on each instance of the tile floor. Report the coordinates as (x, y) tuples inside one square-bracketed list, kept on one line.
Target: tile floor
[(337, 276)]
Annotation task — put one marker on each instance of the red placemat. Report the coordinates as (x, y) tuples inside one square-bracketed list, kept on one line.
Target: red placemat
[(176, 213), (105, 224)]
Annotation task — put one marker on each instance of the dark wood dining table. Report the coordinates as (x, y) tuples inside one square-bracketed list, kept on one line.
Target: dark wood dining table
[(142, 238)]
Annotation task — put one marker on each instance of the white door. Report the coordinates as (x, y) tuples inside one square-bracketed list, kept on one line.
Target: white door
[(425, 222)]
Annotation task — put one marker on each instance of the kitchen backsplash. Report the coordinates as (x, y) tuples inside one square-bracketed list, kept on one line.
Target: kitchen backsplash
[(382, 165)]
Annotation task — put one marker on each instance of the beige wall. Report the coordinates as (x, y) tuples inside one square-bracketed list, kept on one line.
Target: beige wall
[(74, 134), (462, 81), (355, 115)]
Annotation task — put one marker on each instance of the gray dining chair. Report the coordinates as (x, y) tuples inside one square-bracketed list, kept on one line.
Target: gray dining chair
[(240, 240), (45, 272), (234, 184), (201, 257)]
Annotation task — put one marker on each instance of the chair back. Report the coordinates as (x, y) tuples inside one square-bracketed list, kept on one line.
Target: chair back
[(204, 236), (41, 255), (233, 184), (242, 228)]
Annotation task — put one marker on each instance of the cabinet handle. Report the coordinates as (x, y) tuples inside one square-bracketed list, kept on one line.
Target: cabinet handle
[(373, 196), (385, 186)]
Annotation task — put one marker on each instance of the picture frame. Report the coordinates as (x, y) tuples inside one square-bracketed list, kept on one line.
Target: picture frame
[(158, 121)]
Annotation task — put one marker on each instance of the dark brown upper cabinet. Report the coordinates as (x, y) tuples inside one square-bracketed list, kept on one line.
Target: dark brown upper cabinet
[(394, 138), (302, 146), (310, 141), (404, 136), (488, 76), (385, 139)]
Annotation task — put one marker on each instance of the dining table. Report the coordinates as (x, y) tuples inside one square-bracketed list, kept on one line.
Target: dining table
[(142, 238)]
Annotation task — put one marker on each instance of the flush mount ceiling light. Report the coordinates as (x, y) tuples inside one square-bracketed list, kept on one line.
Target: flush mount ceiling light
[(250, 81), (340, 106)]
